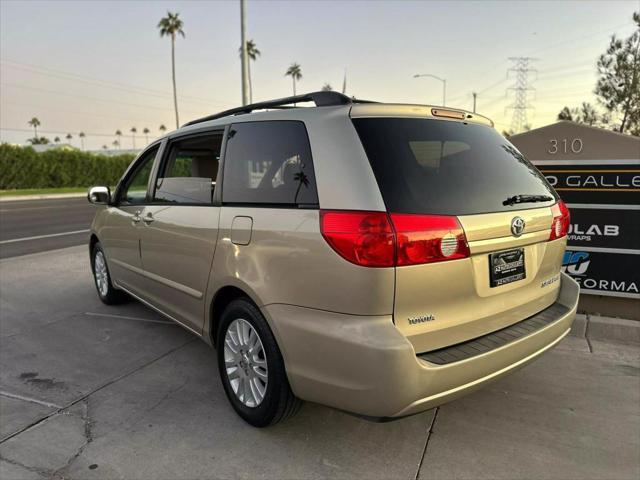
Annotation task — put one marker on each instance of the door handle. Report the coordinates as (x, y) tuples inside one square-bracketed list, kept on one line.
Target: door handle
[(136, 217), (148, 219)]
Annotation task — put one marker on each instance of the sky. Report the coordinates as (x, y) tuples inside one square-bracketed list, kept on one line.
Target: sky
[(100, 66)]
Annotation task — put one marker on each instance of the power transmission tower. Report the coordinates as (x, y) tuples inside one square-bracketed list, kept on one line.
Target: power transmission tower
[(521, 69)]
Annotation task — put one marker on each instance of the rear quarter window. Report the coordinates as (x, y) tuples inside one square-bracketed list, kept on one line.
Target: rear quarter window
[(269, 163), (427, 166)]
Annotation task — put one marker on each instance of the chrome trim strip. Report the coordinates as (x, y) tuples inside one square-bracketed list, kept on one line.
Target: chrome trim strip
[(165, 281), (153, 307)]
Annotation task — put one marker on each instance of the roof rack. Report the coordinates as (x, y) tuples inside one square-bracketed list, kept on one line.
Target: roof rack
[(321, 99)]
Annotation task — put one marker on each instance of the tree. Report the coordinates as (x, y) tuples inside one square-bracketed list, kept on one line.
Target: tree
[(57, 139), (35, 123), (296, 74), (146, 132), (38, 141), (81, 135), (586, 114), (327, 87), (119, 135), (618, 87), (253, 53), (69, 137), (162, 129), (104, 147), (133, 130), (116, 144), (171, 26)]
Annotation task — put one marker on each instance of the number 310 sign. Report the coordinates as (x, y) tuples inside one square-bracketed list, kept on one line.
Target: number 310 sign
[(564, 146)]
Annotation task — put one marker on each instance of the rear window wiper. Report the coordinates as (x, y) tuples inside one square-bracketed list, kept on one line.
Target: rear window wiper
[(527, 199)]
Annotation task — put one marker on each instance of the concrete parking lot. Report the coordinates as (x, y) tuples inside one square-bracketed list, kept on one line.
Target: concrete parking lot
[(90, 391)]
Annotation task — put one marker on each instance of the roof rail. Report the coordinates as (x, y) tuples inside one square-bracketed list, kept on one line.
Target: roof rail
[(321, 99)]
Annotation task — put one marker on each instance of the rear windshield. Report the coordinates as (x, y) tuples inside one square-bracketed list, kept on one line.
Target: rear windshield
[(447, 168)]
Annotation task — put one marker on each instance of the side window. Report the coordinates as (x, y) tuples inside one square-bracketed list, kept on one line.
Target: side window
[(135, 190), (269, 162), (188, 173)]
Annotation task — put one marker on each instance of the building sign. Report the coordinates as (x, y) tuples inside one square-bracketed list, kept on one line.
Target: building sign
[(597, 174)]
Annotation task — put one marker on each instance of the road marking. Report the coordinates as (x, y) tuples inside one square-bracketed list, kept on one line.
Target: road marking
[(38, 237), (124, 317), (28, 399), (20, 209)]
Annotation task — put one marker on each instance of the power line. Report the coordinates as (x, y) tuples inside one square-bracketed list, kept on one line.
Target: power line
[(73, 95), (53, 132), (49, 72), (521, 88)]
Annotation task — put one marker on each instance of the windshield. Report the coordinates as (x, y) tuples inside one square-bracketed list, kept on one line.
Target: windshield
[(443, 167)]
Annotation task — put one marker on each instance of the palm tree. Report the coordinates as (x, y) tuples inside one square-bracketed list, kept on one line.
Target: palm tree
[(296, 74), (171, 26), (35, 123), (253, 53), (104, 147), (162, 129), (118, 134), (133, 136), (146, 132), (327, 87), (116, 144), (57, 139), (82, 135), (69, 137)]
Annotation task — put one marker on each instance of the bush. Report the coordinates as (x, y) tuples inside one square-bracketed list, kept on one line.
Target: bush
[(23, 167)]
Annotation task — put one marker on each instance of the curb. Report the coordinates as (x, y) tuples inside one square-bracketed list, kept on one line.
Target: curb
[(606, 329), (44, 196)]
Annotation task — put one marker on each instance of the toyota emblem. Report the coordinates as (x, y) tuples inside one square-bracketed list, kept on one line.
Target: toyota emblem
[(517, 226)]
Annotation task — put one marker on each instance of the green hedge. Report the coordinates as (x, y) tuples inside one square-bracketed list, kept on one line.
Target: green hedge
[(23, 167)]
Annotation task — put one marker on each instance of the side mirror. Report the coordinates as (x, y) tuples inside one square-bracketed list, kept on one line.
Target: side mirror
[(99, 195)]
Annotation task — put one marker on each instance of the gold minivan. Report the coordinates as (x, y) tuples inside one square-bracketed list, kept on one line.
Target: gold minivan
[(380, 259)]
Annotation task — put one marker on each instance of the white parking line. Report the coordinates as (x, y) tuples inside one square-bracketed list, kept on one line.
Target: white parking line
[(124, 317), (38, 237), (28, 399)]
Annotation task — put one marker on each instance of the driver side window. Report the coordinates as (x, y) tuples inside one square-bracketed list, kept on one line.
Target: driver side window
[(135, 190)]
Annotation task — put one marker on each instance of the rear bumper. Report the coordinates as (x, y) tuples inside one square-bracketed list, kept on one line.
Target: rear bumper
[(366, 366)]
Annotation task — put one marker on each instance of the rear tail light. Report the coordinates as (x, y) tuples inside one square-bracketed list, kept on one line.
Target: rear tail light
[(561, 221), (428, 238), (363, 238), (376, 239)]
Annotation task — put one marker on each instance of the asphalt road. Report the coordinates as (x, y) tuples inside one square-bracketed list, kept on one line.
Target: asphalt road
[(29, 226), (90, 391)]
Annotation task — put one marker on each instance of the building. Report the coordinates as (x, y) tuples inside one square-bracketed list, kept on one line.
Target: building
[(597, 174)]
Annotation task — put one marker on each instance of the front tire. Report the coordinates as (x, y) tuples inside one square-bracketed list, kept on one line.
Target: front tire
[(251, 367), (102, 278)]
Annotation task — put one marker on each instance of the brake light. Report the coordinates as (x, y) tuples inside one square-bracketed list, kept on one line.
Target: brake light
[(560, 222), (363, 238), (376, 239), (428, 238)]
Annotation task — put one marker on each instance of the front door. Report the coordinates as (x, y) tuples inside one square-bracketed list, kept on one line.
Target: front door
[(121, 235), (179, 228)]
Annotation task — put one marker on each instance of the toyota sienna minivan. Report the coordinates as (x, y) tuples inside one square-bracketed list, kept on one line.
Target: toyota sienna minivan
[(381, 259)]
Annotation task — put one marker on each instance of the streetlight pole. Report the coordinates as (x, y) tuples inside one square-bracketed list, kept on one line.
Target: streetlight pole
[(444, 84), (244, 56)]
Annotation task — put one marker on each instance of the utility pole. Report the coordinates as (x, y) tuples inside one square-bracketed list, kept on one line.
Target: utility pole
[(244, 56), (475, 96), (521, 88)]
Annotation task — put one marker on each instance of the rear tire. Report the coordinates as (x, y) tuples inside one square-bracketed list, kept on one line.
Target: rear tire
[(102, 278), (251, 367)]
